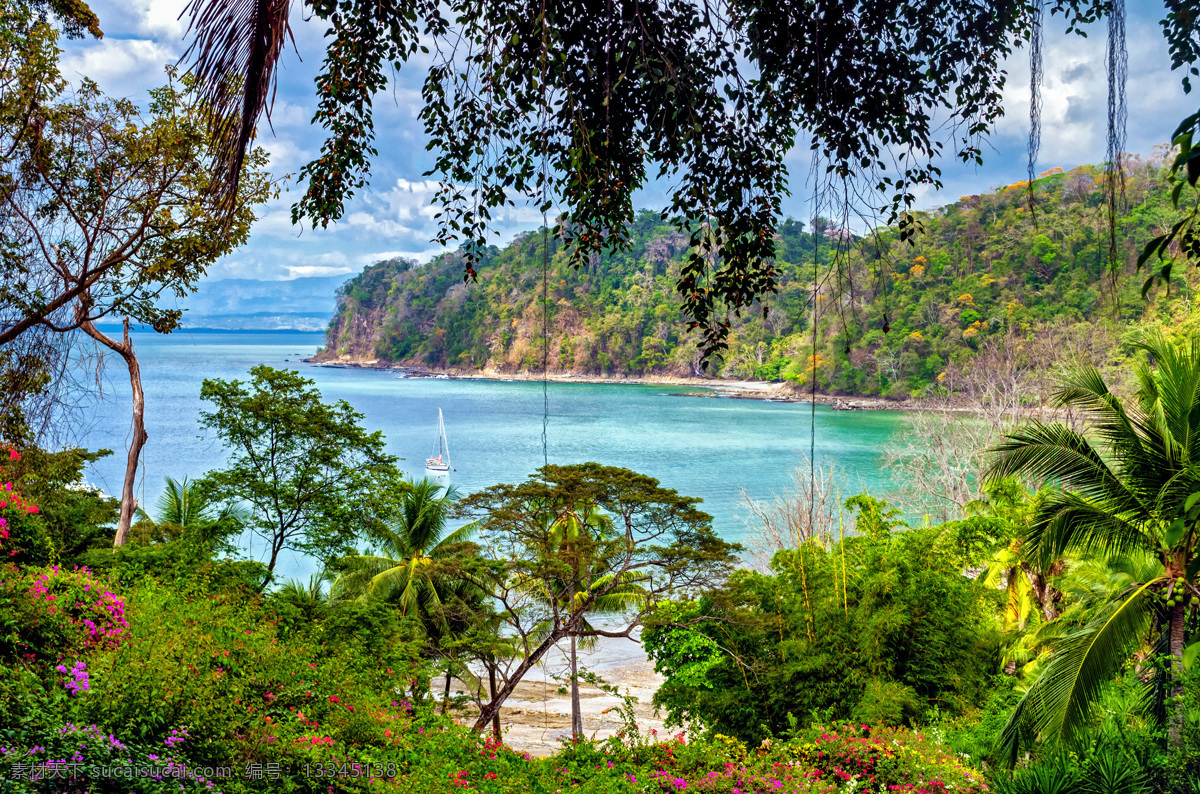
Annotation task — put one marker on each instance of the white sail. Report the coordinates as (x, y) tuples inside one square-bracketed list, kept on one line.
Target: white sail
[(439, 461)]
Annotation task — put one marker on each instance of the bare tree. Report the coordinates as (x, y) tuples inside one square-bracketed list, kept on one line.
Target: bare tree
[(810, 510), (124, 349), (1013, 377)]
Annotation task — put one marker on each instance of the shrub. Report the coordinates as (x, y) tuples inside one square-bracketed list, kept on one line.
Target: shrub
[(70, 754), (48, 613), (74, 598), (894, 760), (23, 537)]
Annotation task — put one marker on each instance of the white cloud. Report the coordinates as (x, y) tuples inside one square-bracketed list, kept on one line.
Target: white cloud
[(124, 67), (1075, 96), (160, 18), (303, 271)]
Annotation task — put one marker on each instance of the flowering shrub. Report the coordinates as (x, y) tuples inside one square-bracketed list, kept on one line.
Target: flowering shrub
[(73, 756), (22, 537), (78, 681), (884, 760), (86, 604)]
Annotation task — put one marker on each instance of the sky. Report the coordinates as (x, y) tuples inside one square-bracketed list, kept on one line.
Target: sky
[(394, 217)]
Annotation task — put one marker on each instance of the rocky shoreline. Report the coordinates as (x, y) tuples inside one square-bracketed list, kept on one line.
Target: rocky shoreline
[(715, 388)]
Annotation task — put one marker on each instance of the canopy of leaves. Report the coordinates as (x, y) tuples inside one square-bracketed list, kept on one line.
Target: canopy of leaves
[(878, 628), (578, 104), (313, 479)]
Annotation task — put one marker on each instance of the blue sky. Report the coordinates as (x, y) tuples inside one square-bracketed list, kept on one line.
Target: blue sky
[(394, 217)]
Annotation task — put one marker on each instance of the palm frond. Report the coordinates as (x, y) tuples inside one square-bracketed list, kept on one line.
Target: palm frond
[(1066, 521), (1059, 703), (461, 535), (1057, 453), (233, 56)]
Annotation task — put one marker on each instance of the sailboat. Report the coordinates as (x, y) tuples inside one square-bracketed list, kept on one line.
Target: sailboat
[(439, 462)]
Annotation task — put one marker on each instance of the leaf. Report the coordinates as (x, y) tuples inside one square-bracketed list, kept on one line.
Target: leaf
[(1191, 500), (1189, 655), (1150, 249), (1193, 568)]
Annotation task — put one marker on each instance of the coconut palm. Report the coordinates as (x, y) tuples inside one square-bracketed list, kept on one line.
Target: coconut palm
[(581, 537), (1132, 483), (402, 569), (184, 508)]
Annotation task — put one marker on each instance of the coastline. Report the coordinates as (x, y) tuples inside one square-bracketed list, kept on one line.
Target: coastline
[(716, 388)]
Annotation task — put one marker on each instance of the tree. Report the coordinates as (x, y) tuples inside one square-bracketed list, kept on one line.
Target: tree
[(662, 545), (404, 568), (312, 478), (878, 627), (104, 208), (1131, 483), (574, 531), (579, 103)]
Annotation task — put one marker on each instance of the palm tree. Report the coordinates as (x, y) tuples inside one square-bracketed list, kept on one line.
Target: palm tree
[(183, 508), (400, 568), (1132, 483), (310, 599), (578, 537), (403, 569)]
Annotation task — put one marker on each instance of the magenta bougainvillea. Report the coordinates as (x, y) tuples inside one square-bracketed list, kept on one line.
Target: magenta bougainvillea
[(84, 602)]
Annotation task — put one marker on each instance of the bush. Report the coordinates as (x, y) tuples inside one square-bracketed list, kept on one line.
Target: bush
[(73, 753), (23, 538), (82, 604), (884, 759), (48, 613)]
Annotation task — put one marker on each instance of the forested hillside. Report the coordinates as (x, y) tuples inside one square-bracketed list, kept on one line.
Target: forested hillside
[(893, 318)]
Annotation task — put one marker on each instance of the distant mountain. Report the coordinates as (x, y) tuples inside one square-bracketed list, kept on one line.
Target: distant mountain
[(244, 304)]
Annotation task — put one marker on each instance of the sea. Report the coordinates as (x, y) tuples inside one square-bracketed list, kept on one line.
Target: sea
[(723, 451)]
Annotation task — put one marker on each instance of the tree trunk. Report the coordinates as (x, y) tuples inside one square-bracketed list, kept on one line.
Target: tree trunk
[(1178, 628), (1045, 592), (137, 440), (576, 711), (492, 710), (446, 694), (492, 695)]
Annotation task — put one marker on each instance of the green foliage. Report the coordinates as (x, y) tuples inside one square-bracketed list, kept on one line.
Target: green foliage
[(312, 477), (879, 627), (49, 612), (1124, 487), (189, 512), (73, 516), (981, 270), (1104, 769), (405, 570), (126, 193)]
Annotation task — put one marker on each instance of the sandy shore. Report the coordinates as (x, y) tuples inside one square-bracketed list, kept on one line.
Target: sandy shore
[(538, 713), (714, 388)]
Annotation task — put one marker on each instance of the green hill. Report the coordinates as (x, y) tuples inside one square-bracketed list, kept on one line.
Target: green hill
[(891, 316)]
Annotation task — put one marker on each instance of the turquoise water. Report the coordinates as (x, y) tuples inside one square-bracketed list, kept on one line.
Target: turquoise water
[(713, 449)]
